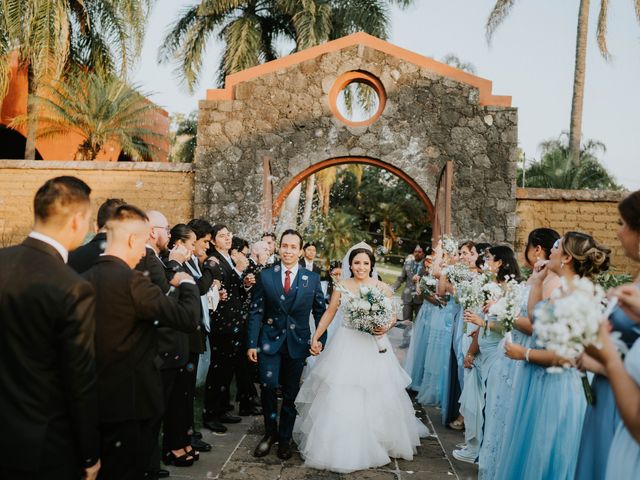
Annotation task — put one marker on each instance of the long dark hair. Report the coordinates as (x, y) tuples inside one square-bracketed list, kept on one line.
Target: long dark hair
[(509, 267), (179, 231), (543, 238), (357, 251)]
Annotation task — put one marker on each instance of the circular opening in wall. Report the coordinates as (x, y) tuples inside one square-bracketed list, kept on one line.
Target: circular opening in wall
[(357, 98), (358, 102)]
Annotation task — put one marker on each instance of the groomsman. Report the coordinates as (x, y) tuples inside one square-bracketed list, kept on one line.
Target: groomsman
[(308, 256), (129, 307), (48, 404), (82, 258), (270, 239), (411, 302)]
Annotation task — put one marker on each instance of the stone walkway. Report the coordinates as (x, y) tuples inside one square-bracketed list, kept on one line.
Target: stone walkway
[(232, 455)]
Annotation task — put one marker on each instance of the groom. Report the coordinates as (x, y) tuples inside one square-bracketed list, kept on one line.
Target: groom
[(279, 336)]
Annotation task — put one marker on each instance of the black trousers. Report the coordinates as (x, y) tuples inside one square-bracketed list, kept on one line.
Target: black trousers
[(247, 392), (175, 424), (227, 351), (192, 372), (286, 371), (54, 465), (125, 449)]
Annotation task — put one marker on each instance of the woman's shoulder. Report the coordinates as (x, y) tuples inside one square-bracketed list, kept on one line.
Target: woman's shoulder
[(384, 288)]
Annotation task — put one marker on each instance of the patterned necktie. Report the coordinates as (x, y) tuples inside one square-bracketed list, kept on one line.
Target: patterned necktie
[(287, 281)]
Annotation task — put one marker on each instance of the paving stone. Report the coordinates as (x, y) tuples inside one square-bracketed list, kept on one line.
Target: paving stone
[(250, 471)]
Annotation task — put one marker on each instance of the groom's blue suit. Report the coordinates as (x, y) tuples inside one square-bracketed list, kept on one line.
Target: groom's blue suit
[(279, 330)]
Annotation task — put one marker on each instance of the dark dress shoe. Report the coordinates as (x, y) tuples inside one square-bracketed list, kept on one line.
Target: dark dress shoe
[(230, 408), (215, 426), (250, 412), (197, 435), (199, 445), (228, 418), (284, 450), (264, 447)]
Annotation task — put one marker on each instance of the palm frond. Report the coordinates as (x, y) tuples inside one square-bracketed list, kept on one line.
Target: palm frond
[(500, 11), (601, 33)]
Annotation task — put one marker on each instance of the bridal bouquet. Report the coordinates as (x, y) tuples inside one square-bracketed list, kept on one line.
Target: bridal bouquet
[(507, 307), (367, 311), (571, 319)]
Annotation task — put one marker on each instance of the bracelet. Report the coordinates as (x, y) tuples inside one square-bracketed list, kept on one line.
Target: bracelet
[(526, 355)]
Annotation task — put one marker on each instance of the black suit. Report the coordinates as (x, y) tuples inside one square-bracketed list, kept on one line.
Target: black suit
[(48, 404), (227, 339), (82, 258), (316, 267), (128, 305)]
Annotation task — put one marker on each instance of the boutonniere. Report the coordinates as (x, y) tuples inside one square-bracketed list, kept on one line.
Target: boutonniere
[(277, 268), (305, 279)]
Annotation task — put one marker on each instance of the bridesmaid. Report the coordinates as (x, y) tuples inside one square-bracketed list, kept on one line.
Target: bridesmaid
[(501, 261), (602, 418), (454, 383), (503, 384), (414, 361), (545, 439), (440, 330)]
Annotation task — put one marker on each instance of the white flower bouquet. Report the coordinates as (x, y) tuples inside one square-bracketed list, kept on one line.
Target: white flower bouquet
[(507, 307), (428, 284), (571, 319), (369, 310), (449, 245)]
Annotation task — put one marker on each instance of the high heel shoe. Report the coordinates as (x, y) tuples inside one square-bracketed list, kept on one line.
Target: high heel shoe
[(186, 460), (192, 453)]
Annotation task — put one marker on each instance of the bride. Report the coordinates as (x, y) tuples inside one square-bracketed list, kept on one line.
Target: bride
[(353, 410)]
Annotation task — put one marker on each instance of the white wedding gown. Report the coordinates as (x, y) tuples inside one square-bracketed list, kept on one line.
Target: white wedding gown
[(353, 410)]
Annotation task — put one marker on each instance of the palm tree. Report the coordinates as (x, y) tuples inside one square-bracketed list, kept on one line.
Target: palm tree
[(101, 110), (499, 13), (555, 169), (49, 35), (184, 138), (249, 30), (453, 60), (338, 233)]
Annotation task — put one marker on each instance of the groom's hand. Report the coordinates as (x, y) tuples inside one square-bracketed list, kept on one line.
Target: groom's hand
[(252, 353), (316, 348)]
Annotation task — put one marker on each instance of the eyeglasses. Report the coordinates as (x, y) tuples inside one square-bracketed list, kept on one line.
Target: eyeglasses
[(167, 229)]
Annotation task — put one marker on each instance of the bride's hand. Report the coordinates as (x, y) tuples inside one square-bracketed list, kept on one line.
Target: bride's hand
[(316, 347), (381, 330)]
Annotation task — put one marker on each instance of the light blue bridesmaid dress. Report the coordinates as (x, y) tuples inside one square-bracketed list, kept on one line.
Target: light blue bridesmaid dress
[(499, 400), (414, 361), (601, 419), (473, 398), (454, 381), (624, 454), (437, 355), (545, 435)]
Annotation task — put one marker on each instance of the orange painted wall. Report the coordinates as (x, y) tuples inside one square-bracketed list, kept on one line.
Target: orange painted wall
[(64, 147)]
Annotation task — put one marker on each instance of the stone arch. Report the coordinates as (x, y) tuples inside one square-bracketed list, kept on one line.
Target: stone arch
[(273, 122), (331, 162), (12, 144)]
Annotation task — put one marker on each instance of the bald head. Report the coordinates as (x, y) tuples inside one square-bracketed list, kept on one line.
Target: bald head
[(260, 252), (159, 237)]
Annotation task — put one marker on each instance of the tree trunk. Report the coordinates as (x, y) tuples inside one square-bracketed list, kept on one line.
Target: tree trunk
[(308, 200), (32, 121), (575, 128), (289, 215)]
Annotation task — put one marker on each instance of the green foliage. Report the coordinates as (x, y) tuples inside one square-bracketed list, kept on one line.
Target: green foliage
[(611, 280), (556, 170), (183, 137), (101, 110), (335, 233), (249, 30)]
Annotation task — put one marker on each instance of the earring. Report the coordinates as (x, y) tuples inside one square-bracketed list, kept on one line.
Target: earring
[(561, 264)]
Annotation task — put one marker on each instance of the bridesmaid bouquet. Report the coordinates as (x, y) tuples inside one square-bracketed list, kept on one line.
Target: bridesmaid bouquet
[(428, 284), (571, 319), (449, 244), (369, 310), (507, 307)]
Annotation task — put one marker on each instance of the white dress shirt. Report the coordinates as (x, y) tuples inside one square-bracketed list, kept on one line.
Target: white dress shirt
[(54, 243), (308, 265), (293, 270)]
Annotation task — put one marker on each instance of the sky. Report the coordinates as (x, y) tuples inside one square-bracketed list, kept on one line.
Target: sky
[(531, 58)]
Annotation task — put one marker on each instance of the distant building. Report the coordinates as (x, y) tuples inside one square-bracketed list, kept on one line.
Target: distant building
[(61, 147)]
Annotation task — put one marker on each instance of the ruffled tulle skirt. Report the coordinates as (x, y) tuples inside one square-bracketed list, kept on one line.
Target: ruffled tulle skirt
[(353, 410)]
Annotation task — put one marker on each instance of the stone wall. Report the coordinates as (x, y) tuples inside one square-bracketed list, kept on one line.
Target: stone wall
[(161, 186), (284, 116), (588, 211)]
